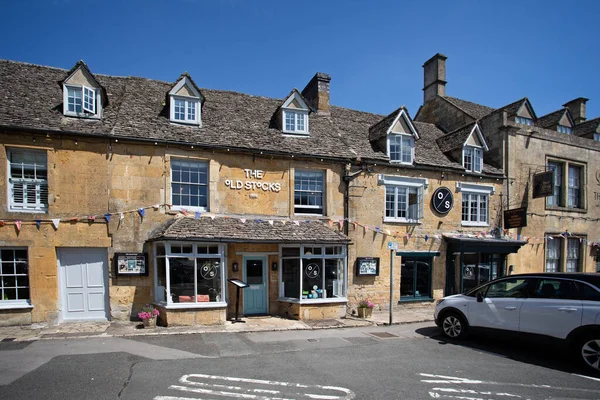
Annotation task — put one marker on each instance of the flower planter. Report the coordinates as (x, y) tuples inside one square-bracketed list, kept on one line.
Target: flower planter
[(365, 312), (149, 322)]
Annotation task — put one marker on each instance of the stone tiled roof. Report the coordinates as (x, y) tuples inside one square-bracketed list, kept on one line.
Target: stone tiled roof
[(475, 110), (512, 108), (380, 129), (230, 230), (587, 127), (456, 139), (428, 152), (551, 119)]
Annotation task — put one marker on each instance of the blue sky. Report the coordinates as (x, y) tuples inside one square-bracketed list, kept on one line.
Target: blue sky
[(497, 52)]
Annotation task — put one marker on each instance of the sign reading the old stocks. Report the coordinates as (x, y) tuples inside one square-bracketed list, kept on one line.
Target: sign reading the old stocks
[(543, 184), (442, 200), (253, 182), (515, 218)]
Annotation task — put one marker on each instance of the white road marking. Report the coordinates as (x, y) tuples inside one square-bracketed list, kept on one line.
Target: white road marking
[(231, 387), (588, 377)]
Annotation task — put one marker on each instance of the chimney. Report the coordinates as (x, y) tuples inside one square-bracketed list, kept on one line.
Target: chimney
[(434, 77), (577, 109), (317, 93)]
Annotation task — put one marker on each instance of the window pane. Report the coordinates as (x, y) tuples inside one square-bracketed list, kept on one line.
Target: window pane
[(574, 200), (181, 275), (334, 278), (300, 121), (191, 110), (312, 278), (290, 274), (308, 192), (189, 183), (468, 158), (553, 253), (407, 146), (555, 199), (509, 288), (290, 121), (395, 147), (573, 254), (14, 277), (208, 279), (28, 179), (179, 113)]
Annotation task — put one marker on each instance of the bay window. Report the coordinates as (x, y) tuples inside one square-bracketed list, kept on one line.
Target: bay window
[(313, 273), (189, 274)]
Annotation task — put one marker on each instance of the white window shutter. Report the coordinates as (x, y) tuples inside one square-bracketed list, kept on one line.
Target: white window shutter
[(89, 100)]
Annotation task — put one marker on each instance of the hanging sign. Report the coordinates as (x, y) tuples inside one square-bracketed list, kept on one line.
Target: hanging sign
[(130, 264), (543, 184), (442, 200), (515, 218)]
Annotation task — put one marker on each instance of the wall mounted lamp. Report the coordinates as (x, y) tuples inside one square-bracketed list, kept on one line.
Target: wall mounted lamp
[(274, 266), (235, 267)]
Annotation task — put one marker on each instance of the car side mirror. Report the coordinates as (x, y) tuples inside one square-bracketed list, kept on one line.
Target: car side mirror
[(479, 297)]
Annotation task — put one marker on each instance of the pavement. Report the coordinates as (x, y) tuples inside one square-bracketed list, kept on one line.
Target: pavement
[(401, 315)]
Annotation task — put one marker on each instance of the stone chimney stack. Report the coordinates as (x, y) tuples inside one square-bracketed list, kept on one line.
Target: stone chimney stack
[(435, 77), (577, 109), (317, 93)]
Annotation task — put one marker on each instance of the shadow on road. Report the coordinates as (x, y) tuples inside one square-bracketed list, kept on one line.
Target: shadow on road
[(535, 352)]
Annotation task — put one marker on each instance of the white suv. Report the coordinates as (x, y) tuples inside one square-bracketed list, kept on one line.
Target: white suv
[(564, 306)]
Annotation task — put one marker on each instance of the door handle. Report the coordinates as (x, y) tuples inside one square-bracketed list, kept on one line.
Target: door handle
[(567, 309), (510, 308)]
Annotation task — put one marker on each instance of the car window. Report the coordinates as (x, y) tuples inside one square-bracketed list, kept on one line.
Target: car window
[(588, 292), (516, 287), (555, 289)]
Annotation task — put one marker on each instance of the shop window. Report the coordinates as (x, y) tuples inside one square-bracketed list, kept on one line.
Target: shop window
[(415, 280), (478, 269), (553, 253), (309, 192), (14, 277), (401, 148), (568, 190), (28, 180), (475, 209), (195, 273), (313, 273), (189, 184)]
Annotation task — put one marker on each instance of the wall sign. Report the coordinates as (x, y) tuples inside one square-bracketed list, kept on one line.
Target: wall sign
[(130, 264), (442, 200), (543, 184), (312, 270), (515, 218), (367, 266), (256, 184)]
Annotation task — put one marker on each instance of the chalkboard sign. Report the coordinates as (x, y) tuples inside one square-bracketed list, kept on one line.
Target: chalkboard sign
[(131, 264)]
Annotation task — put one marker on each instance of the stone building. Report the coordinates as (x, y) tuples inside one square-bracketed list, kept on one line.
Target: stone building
[(561, 226)]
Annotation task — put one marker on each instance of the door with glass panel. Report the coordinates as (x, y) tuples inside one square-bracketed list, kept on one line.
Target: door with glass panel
[(255, 275), (415, 280)]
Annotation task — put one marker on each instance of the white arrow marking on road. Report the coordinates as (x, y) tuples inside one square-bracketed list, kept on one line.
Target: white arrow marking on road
[(234, 390)]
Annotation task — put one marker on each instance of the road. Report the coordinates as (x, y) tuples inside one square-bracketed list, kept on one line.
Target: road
[(397, 362)]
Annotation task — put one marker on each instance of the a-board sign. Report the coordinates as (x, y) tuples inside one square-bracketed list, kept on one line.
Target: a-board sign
[(543, 184), (515, 218), (131, 264), (238, 283)]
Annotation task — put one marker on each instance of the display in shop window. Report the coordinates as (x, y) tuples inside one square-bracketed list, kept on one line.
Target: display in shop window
[(131, 264), (367, 266)]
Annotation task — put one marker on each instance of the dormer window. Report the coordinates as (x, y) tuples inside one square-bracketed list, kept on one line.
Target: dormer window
[(294, 114), (77, 105), (82, 94), (524, 121), (565, 129), (401, 148), (185, 102), (472, 159), (597, 137)]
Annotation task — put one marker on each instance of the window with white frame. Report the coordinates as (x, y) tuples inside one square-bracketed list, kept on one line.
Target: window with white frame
[(565, 129), (309, 192), (189, 184), (185, 110), (472, 158), (401, 148), (28, 180), (475, 208), (14, 277), (313, 273), (524, 121), (295, 121), (573, 255), (553, 253), (568, 189), (403, 198), (189, 274), (597, 137), (81, 101)]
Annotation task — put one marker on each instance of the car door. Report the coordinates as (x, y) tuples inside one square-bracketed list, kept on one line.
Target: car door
[(554, 308), (500, 306)]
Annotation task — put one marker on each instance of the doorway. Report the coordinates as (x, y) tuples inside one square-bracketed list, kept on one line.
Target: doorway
[(255, 275)]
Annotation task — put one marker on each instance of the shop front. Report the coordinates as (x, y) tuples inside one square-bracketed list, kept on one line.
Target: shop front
[(293, 269), (471, 262)]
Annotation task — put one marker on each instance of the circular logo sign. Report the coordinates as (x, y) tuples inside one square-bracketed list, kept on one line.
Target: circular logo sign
[(442, 200), (313, 270), (208, 271)]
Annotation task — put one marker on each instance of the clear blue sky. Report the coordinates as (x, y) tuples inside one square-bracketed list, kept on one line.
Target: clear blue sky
[(497, 52)]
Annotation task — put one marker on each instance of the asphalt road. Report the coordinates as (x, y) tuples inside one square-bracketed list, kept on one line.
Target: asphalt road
[(397, 362)]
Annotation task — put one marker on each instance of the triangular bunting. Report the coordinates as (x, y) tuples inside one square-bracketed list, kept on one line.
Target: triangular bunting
[(270, 222), (330, 222), (121, 216), (107, 217), (38, 223), (426, 238), (18, 225), (198, 214), (55, 222), (243, 220), (297, 223), (141, 212)]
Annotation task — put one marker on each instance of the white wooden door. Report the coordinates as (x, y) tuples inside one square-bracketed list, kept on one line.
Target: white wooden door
[(83, 274)]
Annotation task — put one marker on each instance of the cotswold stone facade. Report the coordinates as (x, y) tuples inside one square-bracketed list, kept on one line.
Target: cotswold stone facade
[(122, 192)]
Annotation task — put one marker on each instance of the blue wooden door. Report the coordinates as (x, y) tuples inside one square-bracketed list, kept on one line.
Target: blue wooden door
[(255, 275)]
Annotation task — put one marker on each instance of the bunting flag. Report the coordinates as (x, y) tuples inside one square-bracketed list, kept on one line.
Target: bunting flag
[(2, 223), (426, 238), (198, 213), (141, 212), (38, 223), (18, 225), (355, 225), (330, 223), (366, 228), (55, 222), (270, 222), (387, 232), (92, 218), (73, 220), (243, 220), (282, 222), (184, 212), (121, 216), (107, 217), (297, 223), (156, 206), (341, 224), (212, 217)]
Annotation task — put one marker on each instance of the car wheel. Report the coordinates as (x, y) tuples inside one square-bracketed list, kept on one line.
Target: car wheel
[(454, 326), (589, 350)]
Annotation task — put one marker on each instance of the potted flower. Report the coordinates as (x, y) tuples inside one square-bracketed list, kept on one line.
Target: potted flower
[(365, 308), (148, 315)]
